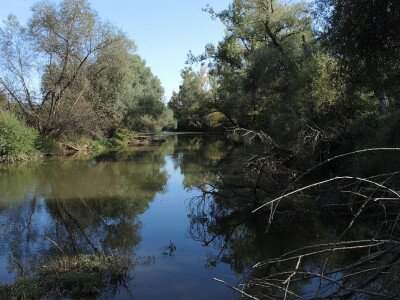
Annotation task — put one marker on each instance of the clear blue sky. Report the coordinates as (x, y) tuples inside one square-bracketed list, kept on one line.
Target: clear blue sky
[(163, 30)]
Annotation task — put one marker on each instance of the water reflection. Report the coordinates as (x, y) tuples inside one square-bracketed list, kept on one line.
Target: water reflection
[(76, 207), (180, 211), (302, 240), (73, 207)]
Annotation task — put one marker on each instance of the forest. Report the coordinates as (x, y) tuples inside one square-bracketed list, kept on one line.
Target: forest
[(296, 118), (307, 74)]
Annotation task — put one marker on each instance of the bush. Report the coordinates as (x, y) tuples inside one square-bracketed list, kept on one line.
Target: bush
[(17, 140)]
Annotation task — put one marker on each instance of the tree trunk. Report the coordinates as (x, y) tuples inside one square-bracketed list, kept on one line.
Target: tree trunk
[(384, 101)]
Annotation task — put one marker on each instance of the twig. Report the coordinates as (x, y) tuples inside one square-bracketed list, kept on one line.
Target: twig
[(46, 237), (236, 289), (324, 182), (18, 264)]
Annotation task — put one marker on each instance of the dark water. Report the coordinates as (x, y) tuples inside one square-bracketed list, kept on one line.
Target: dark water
[(134, 203)]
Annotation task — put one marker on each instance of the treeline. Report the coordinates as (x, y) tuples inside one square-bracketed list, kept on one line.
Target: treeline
[(67, 73), (305, 73)]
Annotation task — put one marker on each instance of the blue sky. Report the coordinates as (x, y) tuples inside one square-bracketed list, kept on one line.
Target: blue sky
[(163, 30)]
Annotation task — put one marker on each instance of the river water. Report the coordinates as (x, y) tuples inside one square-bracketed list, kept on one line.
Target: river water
[(137, 203), (168, 211)]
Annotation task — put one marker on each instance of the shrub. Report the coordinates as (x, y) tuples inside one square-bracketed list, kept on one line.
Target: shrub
[(17, 140)]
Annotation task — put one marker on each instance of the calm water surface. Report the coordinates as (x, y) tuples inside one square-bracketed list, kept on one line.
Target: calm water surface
[(136, 203), (147, 205)]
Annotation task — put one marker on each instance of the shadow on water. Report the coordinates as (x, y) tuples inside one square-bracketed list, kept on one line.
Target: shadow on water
[(282, 250)]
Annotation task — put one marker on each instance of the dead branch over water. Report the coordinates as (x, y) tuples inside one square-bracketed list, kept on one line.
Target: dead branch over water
[(371, 204)]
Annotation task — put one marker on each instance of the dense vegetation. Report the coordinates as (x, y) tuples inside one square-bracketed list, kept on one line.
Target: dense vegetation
[(67, 73), (16, 139), (305, 84), (309, 74), (298, 81), (304, 73)]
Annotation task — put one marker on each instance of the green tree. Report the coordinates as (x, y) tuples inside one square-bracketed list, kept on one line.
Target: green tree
[(193, 105), (91, 80), (125, 91), (364, 37), (270, 73), (56, 46)]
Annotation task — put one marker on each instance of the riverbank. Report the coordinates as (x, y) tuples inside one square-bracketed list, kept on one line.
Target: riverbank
[(72, 276), (122, 140)]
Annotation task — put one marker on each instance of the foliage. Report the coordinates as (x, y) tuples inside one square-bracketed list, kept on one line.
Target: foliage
[(272, 73), (91, 80), (3, 100), (363, 36), (193, 105), (127, 92), (17, 140)]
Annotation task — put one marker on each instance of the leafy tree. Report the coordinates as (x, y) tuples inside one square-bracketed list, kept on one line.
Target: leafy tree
[(264, 69), (91, 80), (125, 92), (193, 105), (364, 37), (56, 46), (149, 113)]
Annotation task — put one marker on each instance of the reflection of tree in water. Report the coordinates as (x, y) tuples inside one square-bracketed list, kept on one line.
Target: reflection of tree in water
[(79, 207), (197, 157), (316, 232)]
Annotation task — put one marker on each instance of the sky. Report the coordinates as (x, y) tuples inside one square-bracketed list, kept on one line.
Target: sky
[(164, 31)]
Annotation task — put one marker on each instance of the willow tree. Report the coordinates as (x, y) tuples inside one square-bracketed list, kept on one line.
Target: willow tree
[(125, 92), (257, 64), (43, 64)]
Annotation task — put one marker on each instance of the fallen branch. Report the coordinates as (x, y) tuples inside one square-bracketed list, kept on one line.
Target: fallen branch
[(324, 182), (236, 289)]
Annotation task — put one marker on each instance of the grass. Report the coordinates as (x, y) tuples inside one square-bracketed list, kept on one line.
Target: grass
[(77, 276)]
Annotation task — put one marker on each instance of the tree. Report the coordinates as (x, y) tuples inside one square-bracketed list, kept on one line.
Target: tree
[(56, 47), (125, 92), (364, 37), (270, 73), (193, 104), (255, 66), (71, 73)]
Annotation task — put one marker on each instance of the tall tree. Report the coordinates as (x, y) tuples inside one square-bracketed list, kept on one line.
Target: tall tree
[(71, 73), (255, 64), (193, 105), (125, 92), (364, 36), (56, 47)]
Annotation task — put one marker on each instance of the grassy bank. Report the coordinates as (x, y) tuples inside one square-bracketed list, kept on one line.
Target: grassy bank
[(76, 276), (20, 142)]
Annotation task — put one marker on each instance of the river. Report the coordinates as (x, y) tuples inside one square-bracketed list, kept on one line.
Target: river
[(133, 202), (160, 208)]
